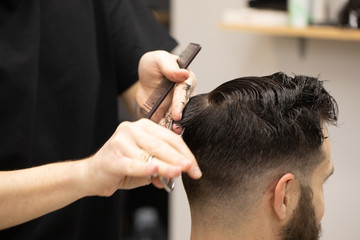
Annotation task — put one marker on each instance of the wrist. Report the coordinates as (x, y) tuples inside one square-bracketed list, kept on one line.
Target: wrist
[(82, 180)]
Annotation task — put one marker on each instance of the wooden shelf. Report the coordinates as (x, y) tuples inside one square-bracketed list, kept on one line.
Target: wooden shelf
[(312, 32)]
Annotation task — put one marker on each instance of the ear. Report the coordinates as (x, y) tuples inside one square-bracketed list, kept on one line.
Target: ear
[(285, 196)]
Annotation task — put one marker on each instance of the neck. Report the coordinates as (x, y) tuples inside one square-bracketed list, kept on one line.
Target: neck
[(254, 226)]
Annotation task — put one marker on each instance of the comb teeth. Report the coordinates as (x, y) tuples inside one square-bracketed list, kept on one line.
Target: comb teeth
[(145, 109), (156, 98)]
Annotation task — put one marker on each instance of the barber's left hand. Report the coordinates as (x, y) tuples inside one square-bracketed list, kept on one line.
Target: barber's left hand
[(153, 67)]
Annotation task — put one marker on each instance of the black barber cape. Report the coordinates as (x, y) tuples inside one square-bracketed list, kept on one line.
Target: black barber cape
[(62, 65)]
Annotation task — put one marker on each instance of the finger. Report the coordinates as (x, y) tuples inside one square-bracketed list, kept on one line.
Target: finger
[(167, 146), (166, 157), (191, 168), (170, 156), (166, 170), (149, 137), (135, 168), (123, 144), (182, 93), (176, 128), (167, 120), (137, 158), (134, 182), (194, 172), (168, 123), (172, 150), (152, 137), (168, 66), (156, 182)]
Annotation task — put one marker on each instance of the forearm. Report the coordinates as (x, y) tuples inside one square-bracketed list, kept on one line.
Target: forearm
[(30, 193)]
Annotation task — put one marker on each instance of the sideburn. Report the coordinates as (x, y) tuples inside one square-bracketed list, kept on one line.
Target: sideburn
[(303, 225)]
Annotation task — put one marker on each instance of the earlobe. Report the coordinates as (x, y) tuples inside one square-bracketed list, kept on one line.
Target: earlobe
[(283, 195)]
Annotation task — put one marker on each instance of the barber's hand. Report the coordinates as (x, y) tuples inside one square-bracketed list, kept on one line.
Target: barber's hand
[(153, 67), (122, 162)]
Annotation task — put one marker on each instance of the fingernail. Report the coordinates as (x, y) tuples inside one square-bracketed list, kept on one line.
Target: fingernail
[(196, 172), (179, 115)]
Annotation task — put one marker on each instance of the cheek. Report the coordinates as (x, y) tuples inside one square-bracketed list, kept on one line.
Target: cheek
[(319, 205)]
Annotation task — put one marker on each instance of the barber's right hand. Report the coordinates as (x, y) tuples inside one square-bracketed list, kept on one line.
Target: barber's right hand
[(122, 161)]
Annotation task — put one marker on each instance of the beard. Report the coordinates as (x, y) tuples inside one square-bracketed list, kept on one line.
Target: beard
[(303, 224)]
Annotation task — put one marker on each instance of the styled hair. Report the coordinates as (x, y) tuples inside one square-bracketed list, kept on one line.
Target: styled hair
[(252, 126)]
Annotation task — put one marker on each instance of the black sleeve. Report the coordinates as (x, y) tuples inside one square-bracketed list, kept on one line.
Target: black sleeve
[(134, 31)]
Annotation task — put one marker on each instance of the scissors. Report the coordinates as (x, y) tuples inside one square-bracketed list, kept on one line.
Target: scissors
[(160, 93)]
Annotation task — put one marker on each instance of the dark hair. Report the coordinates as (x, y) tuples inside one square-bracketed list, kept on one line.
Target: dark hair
[(251, 125)]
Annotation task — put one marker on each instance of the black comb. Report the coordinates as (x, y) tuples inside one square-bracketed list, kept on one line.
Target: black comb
[(165, 86)]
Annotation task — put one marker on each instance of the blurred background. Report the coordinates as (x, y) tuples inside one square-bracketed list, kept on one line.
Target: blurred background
[(243, 38)]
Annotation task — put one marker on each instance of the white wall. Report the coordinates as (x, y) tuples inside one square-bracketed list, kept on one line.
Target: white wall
[(227, 55)]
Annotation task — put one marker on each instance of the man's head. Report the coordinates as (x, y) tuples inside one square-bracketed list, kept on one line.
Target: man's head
[(261, 143)]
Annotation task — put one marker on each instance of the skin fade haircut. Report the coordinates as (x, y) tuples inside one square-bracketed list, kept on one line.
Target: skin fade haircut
[(250, 131)]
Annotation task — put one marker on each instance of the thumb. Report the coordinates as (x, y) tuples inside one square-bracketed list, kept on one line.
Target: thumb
[(169, 67)]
